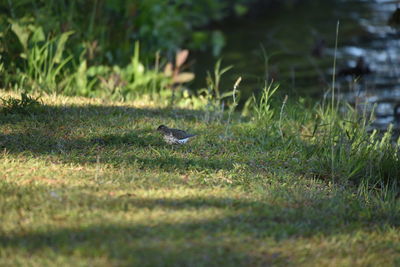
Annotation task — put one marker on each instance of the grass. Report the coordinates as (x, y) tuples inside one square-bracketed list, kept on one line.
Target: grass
[(90, 182)]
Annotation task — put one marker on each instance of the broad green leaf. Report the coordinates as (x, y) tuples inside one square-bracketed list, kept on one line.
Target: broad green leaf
[(21, 32), (61, 45), (38, 35)]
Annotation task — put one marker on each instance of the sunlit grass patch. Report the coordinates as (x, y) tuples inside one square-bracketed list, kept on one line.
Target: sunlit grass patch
[(90, 181)]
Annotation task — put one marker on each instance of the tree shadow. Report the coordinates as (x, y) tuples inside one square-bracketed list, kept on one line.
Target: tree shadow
[(49, 113), (179, 243), (54, 132), (53, 120), (49, 130), (39, 144)]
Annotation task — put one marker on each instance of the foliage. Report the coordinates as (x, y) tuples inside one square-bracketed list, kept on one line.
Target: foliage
[(45, 65), (73, 47), (158, 25), (121, 83), (175, 70)]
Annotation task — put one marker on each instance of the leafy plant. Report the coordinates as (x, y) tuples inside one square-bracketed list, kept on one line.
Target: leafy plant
[(262, 109), (43, 58), (46, 63), (175, 71), (215, 99)]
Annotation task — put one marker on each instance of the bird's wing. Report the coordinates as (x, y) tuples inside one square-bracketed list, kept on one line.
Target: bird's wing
[(180, 134)]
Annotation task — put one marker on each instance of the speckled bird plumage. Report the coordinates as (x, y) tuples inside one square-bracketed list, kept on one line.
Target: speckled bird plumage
[(174, 136)]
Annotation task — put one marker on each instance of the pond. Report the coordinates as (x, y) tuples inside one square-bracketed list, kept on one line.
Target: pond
[(294, 45)]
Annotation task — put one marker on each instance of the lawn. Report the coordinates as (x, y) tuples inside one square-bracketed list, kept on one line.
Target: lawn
[(90, 182)]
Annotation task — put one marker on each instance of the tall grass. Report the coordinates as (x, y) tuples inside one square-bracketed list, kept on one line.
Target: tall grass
[(263, 111), (214, 98), (46, 66), (329, 141), (233, 105), (333, 145)]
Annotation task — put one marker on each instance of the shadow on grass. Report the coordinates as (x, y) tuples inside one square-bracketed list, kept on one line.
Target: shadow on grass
[(55, 124), (230, 239), (50, 130), (82, 151), (53, 132), (56, 114), (170, 163)]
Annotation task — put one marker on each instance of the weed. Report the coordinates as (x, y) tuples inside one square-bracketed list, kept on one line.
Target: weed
[(215, 105), (25, 105), (263, 112)]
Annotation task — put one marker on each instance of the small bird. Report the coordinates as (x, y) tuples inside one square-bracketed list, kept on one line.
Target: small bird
[(359, 70), (174, 136), (396, 113)]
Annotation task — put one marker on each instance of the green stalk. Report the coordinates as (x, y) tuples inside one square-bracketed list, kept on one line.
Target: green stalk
[(333, 110)]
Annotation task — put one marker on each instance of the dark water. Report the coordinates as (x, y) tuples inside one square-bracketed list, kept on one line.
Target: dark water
[(299, 42)]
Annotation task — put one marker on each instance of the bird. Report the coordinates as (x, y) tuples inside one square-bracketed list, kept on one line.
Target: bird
[(174, 136), (359, 70), (396, 113)]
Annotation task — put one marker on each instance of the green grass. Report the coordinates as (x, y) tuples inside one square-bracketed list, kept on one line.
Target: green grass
[(89, 182)]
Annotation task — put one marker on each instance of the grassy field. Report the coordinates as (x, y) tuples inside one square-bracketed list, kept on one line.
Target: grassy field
[(89, 182)]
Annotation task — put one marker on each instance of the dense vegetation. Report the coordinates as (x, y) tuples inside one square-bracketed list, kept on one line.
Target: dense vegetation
[(88, 181), (88, 47)]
